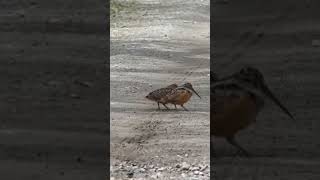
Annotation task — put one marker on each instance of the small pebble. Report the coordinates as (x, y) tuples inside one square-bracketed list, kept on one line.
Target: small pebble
[(185, 166), (130, 174)]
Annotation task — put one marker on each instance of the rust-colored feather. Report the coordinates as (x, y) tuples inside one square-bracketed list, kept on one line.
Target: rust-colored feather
[(181, 95)]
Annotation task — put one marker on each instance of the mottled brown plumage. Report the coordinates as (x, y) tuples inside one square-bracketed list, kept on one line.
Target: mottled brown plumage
[(160, 95), (236, 102), (181, 95)]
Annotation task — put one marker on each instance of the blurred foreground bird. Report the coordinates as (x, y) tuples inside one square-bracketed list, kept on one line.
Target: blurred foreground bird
[(236, 102), (181, 95), (160, 95)]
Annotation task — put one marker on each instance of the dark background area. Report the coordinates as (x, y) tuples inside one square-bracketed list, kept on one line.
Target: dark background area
[(54, 90), (281, 39)]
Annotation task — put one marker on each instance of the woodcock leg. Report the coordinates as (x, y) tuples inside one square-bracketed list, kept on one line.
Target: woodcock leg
[(163, 105), (184, 107), (159, 95), (233, 142)]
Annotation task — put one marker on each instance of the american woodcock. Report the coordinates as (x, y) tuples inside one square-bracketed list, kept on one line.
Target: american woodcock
[(160, 95), (181, 95), (237, 100)]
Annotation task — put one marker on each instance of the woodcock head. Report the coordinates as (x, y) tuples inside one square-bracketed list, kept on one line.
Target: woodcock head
[(189, 87), (251, 80)]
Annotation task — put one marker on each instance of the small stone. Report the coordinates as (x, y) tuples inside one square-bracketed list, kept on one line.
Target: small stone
[(201, 173), (130, 174), (183, 175), (161, 169), (186, 155), (185, 166), (196, 172), (178, 166)]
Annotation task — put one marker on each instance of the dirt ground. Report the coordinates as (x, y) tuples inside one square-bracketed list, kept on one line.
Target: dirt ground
[(53, 91), (169, 43), (279, 38), (154, 44)]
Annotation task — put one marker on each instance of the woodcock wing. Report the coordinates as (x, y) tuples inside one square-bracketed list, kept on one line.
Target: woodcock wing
[(160, 95)]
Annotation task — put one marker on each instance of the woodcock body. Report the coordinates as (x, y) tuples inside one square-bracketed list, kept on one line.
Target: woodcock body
[(237, 100), (160, 95), (181, 95)]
